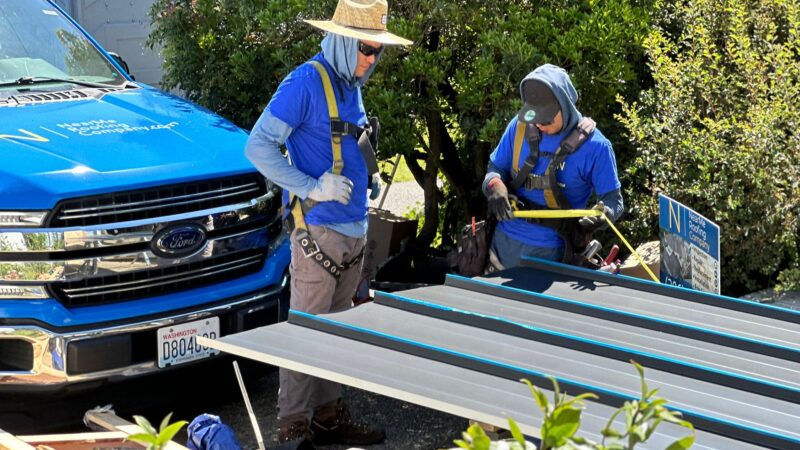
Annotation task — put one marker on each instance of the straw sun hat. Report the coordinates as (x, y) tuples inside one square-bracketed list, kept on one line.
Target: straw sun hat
[(361, 19)]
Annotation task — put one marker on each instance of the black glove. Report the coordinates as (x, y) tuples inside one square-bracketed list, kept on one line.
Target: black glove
[(594, 223), (498, 200)]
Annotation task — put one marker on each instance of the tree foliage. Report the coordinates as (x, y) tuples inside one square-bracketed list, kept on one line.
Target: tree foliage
[(718, 131), (445, 101)]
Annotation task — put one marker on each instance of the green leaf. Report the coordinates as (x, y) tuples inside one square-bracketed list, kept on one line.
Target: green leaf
[(168, 433), (579, 399), (144, 438), (541, 399), (682, 443), (462, 444), (515, 431), (144, 424), (610, 433), (165, 422), (564, 424), (640, 369)]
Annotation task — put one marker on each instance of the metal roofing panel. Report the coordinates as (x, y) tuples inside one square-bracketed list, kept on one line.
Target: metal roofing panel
[(774, 373), (709, 406), (636, 308), (729, 366), (444, 387)]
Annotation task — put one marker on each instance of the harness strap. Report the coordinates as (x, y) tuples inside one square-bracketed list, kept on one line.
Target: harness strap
[(338, 128), (333, 112), (534, 137), (554, 197)]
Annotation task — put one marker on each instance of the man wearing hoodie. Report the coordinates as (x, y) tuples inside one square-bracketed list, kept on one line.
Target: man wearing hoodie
[(327, 175), (556, 177)]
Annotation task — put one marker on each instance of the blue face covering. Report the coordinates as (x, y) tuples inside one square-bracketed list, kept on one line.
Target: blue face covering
[(341, 52)]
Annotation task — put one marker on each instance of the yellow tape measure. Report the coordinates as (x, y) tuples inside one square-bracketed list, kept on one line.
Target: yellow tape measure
[(577, 213)]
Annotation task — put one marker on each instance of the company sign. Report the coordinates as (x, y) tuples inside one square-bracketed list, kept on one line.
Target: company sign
[(689, 247)]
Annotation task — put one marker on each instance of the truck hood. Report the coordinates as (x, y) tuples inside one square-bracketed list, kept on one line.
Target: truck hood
[(110, 142)]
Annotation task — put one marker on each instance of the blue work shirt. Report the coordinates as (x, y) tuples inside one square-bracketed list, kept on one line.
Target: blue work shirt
[(300, 103), (590, 168)]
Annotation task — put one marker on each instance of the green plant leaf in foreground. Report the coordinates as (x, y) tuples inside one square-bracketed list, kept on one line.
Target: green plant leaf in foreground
[(169, 432), (474, 439), (156, 440), (143, 438)]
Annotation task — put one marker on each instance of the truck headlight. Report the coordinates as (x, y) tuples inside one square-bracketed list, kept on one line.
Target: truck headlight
[(22, 218), (8, 292)]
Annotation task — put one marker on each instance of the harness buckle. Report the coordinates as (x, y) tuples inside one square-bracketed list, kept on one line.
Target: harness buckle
[(308, 245), (340, 128)]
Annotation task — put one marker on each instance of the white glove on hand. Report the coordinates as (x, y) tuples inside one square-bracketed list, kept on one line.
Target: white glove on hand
[(332, 188), (375, 186)]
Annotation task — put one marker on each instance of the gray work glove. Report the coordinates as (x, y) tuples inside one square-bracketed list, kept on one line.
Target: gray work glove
[(375, 186), (595, 223), (332, 188), (497, 193)]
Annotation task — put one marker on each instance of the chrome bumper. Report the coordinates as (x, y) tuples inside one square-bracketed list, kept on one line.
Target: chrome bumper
[(50, 348)]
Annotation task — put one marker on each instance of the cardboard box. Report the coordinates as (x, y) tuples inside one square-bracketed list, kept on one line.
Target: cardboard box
[(651, 253), (384, 238)]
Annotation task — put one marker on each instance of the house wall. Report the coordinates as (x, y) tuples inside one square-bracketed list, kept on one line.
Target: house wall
[(121, 26)]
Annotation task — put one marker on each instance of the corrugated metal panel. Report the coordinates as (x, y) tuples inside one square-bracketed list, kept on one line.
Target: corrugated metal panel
[(731, 368)]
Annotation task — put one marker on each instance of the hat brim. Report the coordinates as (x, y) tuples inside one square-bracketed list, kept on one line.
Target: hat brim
[(537, 115), (384, 37)]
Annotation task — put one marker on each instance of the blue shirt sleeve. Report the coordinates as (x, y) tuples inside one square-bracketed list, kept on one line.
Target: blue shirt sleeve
[(291, 101), (603, 169), (264, 151), (500, 163)]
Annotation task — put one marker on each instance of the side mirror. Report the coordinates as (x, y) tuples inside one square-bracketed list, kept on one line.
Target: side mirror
[(122, 64)]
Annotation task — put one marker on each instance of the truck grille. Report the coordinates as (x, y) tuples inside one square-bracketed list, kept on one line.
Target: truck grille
[(157, 202), (158, 281)]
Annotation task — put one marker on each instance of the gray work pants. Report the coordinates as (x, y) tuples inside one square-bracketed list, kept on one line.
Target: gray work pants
[(315, 291), (510, 251)]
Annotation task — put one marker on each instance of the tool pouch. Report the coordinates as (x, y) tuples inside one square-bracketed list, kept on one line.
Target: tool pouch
[(472, 253)]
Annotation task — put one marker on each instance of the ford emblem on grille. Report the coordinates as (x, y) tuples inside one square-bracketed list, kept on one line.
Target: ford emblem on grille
[(179, 241)]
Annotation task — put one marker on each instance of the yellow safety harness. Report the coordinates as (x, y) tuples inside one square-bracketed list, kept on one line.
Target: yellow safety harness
[(546, 182), (307, 243)]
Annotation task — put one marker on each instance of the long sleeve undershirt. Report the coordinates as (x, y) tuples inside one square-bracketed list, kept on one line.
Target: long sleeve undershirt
[(264, 151)]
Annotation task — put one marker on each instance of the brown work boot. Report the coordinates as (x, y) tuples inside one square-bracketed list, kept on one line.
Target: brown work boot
[(332, 424), (293, 428)]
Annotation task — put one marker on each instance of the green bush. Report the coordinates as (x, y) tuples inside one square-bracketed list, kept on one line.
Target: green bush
[(719, 131), (230, 55), (443, 102)]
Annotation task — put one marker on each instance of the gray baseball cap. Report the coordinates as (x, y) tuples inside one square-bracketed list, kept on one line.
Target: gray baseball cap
[(540, 105)]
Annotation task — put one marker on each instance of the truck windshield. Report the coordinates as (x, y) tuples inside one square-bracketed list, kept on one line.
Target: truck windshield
[(38, 43)]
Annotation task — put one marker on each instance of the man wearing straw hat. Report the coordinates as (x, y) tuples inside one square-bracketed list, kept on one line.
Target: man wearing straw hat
[(317, 112)]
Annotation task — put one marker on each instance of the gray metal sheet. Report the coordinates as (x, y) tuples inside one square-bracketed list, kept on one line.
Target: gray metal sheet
[(742, 408), (678, 311), (432, 384), (746, 364)]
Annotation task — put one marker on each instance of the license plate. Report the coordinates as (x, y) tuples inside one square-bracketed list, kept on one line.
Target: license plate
[(177, 344)]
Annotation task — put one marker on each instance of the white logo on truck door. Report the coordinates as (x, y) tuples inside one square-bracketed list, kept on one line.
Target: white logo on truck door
[(28, 136)]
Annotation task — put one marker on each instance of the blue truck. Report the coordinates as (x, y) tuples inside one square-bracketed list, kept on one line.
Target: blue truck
[(130, 220)]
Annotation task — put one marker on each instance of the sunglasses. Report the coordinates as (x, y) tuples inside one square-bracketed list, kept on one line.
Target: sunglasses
[(368, 50)]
